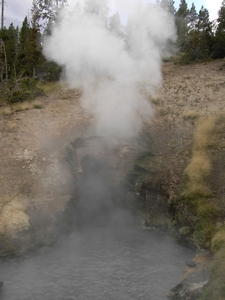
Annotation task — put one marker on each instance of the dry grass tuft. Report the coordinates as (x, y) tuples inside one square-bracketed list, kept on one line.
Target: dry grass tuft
[(21, 106), (198, 188), (7, 111), (203, 135), (25, 105), (199, 167), (48, 87), (155, 101), (169, 120), (37, 105), (191, 115)]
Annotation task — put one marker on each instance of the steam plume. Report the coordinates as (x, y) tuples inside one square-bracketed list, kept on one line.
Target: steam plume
[(110, 62)]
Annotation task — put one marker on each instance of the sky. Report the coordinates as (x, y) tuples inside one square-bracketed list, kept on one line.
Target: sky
[(16, 10)]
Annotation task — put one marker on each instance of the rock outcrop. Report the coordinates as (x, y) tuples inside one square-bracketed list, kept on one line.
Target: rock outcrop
[(194, 279)]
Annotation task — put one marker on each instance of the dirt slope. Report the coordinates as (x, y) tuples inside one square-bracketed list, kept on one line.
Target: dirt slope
[(188, 93), (34, 177)]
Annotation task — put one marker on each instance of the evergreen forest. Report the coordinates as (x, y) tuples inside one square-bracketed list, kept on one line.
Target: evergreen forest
[(22, 60)]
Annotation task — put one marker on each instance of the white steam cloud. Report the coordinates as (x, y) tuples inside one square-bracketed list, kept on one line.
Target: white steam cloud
[(114, 64)]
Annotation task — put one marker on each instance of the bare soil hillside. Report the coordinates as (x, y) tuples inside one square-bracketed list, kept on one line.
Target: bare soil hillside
[(35, 180), (36, 184), (189, 95)]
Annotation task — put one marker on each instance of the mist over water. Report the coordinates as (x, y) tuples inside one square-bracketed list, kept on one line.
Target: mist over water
[(115, 65), (118, 66), (100, 201), (98, 265), (108, 256)]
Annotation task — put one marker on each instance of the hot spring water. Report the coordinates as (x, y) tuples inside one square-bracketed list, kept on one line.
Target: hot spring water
[(107, 257), (99, 264)]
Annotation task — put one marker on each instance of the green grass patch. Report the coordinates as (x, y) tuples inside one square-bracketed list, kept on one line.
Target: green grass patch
[(216, 287)]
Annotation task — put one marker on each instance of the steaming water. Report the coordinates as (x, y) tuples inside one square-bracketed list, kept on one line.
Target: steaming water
[(107, 257), (99, 264)]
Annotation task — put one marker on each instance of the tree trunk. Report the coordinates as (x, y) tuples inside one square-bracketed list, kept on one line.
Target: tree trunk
[(34, 71), (2, 19), (6, 62)]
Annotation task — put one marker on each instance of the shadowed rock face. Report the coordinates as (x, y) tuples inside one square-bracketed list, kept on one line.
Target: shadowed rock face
[(99, 195), (118, 155), (101, 165)]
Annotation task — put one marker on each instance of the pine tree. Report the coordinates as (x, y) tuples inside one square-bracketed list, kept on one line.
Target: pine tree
[(35, 50), (99, 8), (168, 4), (11, 41), (36, 14), (183, 10), (3, 55), (49, 10), (23, 49), (197, 43), (8, 53), (34, 53), (192, 38), (205, 34), (182, 24), (219, 47), (115, 24), (192, 18)]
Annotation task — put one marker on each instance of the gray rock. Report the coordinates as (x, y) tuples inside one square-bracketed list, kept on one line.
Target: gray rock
[(190, 263), (187, 291)]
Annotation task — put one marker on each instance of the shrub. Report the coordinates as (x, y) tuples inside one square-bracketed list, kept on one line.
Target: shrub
[(203, 233), (25, 90), (185, 230), (37, 105), (218, 241), (17, 96), (207, 210)]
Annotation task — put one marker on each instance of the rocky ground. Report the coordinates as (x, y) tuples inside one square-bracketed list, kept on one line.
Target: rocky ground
[(36, 183), (35, 177)]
